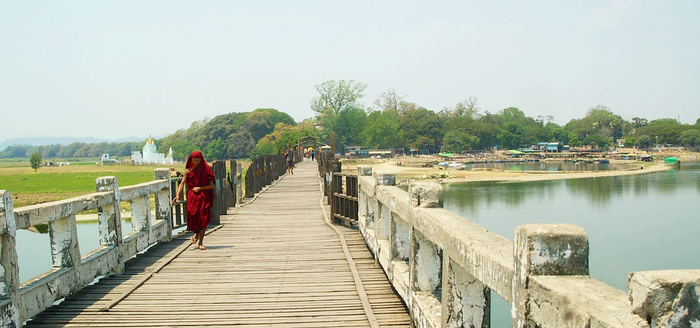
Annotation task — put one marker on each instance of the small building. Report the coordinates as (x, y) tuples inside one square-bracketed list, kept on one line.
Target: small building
[(151, 155), (108, 161)]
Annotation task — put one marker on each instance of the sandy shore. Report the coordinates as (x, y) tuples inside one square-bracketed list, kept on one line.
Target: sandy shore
[(449, 175)]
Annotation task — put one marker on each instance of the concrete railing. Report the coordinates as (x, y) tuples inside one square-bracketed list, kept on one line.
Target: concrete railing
[(444, 267), (72, 271)]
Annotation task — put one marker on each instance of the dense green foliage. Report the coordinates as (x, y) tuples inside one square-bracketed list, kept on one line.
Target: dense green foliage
[(393, 123), (35, 161)]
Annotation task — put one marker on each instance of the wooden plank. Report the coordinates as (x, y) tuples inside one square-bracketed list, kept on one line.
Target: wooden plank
[(275, 263)]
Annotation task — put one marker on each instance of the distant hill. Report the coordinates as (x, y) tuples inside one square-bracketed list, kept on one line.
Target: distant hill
[(45, 141)]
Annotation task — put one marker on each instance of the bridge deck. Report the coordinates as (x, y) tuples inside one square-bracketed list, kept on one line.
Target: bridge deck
[(273, 263)]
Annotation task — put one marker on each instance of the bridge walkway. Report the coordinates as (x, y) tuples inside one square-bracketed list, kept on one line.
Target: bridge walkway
[(272, 263)]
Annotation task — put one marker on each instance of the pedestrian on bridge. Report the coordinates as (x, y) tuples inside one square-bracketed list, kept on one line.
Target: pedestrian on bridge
[(200, 197), (289, 157)]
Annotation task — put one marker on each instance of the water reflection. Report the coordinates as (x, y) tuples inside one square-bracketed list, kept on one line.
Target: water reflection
[(553, 166), (634, 223), (34, 245), (597, 191)]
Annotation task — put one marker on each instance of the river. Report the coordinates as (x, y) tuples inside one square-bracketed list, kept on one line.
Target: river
[(634, 223)]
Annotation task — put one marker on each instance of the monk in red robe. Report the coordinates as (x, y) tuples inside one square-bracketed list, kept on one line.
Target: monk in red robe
[(200, 183)]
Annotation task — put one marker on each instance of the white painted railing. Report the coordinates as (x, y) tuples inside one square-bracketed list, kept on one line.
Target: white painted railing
[(71, 271), (444, 267)]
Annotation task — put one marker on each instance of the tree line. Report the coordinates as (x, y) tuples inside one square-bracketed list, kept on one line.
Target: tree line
[(394, 122), (391, 122)]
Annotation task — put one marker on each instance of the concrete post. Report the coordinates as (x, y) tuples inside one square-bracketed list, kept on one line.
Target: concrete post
[(9, 277), (64, 242), (669, 298), (385, 179), (425, 279), (141, 213), (425, 194), (164, 200), (544, 249), (466, 301), (383, 214), (109, 216), (364, 170)]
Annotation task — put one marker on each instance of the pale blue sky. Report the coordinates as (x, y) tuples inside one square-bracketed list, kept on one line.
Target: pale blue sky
[(111, 69)]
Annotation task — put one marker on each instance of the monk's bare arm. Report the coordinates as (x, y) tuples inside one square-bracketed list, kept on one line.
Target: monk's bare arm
[(181, 186), (209, 187)]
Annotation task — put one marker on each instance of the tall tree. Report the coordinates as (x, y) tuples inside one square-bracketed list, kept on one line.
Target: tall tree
[(35, 161), (347, 126), (382, 130), (467, 107), (422, 128), (457, 142), (389, 101), (638, 122), (335, 96)]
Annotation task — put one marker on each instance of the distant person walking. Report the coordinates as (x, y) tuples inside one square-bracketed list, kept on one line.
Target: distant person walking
[(289, 157), (200, 183), (312, 154)]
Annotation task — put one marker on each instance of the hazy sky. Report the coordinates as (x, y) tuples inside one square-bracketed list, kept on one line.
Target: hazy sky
[(111, 69)]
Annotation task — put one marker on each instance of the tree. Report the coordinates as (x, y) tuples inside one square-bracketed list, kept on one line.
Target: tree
[(573, 140), (215, 150), (35, 161), (336, 96), (457, 142), (347, 126), (422, 128), (467, 107), (389, 101), (690, 138), (638, 122), (382, 130), (644, 141)]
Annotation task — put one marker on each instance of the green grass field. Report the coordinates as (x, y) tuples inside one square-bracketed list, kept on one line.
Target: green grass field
[(53, 183)]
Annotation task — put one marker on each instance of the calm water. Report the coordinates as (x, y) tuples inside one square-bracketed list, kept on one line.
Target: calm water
[(34, 248), (553, 166), (634, 223)]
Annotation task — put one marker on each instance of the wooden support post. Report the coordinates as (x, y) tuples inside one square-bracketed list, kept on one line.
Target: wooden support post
[(219, 206)]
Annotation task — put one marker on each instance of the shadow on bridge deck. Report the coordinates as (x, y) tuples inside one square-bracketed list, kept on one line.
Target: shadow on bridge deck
[(272, 263)]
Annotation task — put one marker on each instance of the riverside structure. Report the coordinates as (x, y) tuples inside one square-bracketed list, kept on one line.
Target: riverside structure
[(277, 261)]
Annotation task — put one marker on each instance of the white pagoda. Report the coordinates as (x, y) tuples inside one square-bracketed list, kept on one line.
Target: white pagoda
[(151, 155)]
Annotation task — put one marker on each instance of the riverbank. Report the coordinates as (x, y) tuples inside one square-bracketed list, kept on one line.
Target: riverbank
[(453, 175)]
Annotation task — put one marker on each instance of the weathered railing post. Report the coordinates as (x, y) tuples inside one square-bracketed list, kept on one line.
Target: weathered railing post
[(109, 217), (64, 242), (669, 298), (164, 200), (239, 182), (219, 206), (9, 279), (231, 180), (544, 249), (366, 207), (425, 257)]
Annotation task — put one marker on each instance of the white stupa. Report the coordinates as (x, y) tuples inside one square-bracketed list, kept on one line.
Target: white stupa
[(151, 155)]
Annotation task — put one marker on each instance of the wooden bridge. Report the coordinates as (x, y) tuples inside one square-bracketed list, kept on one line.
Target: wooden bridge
[(277, 261), (274, 262)]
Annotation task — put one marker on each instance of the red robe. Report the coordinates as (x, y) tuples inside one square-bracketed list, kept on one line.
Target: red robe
[(199, 204)]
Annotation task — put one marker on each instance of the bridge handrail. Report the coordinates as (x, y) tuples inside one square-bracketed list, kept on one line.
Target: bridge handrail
[(444, 266), (71, 271)]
